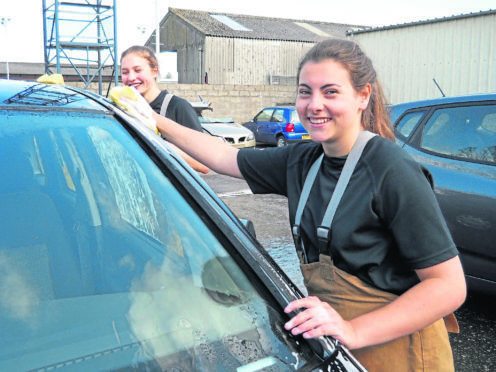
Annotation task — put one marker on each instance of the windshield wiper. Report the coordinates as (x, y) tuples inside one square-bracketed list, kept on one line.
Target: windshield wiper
[(340, 360)]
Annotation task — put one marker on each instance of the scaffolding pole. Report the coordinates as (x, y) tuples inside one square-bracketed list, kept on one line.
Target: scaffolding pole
[(80, 40)]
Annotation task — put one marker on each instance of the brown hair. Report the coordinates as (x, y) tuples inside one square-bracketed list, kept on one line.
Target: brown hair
[(143, 52), (375, 117)]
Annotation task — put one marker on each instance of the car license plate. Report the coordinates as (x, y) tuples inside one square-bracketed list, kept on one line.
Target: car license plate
[(305, 136)]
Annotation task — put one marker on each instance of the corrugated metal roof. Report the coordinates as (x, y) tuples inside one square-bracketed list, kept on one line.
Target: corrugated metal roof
[(262, 27), (409, 24)]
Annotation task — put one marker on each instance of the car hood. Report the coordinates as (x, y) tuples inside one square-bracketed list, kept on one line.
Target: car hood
[(226, 129)]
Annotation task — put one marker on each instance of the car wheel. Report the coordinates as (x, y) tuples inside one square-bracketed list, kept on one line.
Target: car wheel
[(281, 141)]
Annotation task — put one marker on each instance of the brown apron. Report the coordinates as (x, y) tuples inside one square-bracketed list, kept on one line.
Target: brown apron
[(425, 350)]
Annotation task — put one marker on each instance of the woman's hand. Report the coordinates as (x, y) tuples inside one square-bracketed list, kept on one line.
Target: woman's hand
[(441, 290), (129, 100), (319, 319)]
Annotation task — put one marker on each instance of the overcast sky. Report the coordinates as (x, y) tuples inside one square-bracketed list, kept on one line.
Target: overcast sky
[(24, 31)]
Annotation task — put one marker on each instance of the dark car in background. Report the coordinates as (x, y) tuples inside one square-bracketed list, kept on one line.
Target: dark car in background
[(278, 125), (115, 255), (455, 138)]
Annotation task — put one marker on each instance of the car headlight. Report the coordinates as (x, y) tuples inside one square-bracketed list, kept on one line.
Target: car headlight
[(250, 137)]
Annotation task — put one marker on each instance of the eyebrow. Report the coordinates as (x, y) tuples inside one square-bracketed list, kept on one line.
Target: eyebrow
[(322, 87)]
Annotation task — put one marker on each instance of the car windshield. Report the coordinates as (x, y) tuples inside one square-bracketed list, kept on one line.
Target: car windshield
[(215, 120), (294, 117), (106, 266), (203, 119)]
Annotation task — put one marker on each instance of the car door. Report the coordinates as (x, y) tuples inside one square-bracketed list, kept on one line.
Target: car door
[(277, 125), (457, 143), (263, 124)]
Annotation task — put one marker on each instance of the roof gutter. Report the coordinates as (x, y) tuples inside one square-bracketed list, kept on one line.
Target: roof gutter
[(416, 23)]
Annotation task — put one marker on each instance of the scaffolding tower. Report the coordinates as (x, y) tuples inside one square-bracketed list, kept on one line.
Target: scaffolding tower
[(81, 36)]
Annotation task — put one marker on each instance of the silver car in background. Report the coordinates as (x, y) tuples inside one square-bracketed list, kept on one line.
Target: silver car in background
[(232, 133)]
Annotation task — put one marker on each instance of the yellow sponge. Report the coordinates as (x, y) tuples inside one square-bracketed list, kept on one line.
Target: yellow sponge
[(51, 79), (131, 101), (125, 92)]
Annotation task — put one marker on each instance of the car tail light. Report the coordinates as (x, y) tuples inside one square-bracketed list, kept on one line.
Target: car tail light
[(290, 127)]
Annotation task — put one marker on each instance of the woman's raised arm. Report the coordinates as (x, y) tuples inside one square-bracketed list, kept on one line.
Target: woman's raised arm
[(208, 150)]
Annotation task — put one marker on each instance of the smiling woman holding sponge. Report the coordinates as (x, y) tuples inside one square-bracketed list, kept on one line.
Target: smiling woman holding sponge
[(139, 69), (141, 96)]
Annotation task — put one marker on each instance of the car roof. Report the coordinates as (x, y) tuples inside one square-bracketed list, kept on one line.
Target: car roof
[(284, 106), (446, 100), (19, 93)]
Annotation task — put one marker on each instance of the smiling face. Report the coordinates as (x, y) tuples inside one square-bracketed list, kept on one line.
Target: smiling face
[(329, 107), (136, 72)]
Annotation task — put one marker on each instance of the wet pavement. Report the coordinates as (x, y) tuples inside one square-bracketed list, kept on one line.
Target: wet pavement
[(474, 348)]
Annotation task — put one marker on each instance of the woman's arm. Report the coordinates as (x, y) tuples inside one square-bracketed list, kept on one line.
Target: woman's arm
[(196, 165), (207, 149), (441, 290)]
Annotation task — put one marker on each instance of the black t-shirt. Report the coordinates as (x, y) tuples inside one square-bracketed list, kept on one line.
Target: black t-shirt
[(388, 222), (178, 110)]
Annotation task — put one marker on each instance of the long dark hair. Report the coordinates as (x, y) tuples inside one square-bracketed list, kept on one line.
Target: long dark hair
[(375, 117)]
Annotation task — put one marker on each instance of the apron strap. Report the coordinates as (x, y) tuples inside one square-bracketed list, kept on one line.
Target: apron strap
[(163, 108), (324, 230), (165, 104), (307, 186)]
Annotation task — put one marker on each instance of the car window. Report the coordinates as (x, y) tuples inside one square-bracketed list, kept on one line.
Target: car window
[(278, 116), (265, 115), (105, 265), (408, 123), (467, 132), (294, 117)]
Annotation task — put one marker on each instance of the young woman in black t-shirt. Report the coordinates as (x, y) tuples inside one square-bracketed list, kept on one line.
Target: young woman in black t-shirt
[(140, 69), (390, 272)]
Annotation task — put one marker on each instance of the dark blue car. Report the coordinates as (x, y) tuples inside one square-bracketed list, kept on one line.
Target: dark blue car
[(455, 138), (277, 125)]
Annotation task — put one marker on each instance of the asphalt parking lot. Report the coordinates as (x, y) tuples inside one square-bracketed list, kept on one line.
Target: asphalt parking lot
[(474, 348)]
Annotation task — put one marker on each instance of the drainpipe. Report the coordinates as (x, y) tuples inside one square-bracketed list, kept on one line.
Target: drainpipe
[(200, 66)]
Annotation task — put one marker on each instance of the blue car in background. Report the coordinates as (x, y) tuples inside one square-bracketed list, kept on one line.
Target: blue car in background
[(277, 125), (455, 138)]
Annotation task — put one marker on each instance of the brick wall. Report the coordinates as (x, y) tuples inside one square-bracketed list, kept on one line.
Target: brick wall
[(240, 102)]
